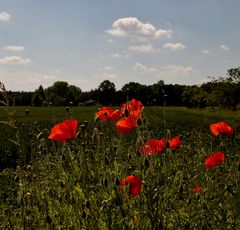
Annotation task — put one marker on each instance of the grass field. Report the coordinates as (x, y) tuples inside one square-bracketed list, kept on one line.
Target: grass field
[(76, 185), (155, 115)]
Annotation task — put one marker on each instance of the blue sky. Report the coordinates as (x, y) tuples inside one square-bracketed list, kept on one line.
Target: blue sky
[(85, 42)]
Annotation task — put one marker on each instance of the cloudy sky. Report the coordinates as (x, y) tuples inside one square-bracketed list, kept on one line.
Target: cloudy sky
[(85, 42)]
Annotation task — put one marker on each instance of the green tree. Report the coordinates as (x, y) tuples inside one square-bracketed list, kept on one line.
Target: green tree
[(107, 93)]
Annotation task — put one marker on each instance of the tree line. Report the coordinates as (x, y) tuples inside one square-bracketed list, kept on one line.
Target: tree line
[(219, 92)]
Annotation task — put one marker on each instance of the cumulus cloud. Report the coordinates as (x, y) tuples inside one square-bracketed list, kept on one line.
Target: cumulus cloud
[(147, 48), (14, 48), (106, 73), (145, 69), (4, 16), (174, 46), (177, 70), (120, 55), (224, 47), (205, 51), (106, 76), (107, 68), (165, 71), (14, 60), (132, 27)]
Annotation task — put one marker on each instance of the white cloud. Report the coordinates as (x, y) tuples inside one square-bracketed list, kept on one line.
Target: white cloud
[(177, 70), (107, 68), (145, 69), (119, 55), (165, 71), (224, 47), (205, 51), (106, 73), (132, 27), (148, 48), (106, 76), (14, 60), (174, 46), (14, 48), (4, 16)]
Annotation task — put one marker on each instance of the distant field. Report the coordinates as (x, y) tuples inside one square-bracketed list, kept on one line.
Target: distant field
[(175, 116)]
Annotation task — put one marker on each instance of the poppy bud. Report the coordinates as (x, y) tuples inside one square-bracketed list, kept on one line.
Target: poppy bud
[(88, 204), (106, 182), (146, 163), (84, 214), (82, 127), (48, 219), (73, 200), (27, 112), (117, 181), (129, 156), (29, 168), (107, 161), (97, 118), (40, 135), (62, 185), (67, 109)]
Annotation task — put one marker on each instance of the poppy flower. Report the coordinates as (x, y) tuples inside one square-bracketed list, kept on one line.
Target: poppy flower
[(114, 115), (124, 125), (131, 107), (64, 131), (197, 188), (135, 185), (153, 146), (175, 142), (221, 128), (106, 113), (215, 159)]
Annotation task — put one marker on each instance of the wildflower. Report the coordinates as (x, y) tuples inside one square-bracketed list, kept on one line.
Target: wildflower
[(131, 106), (124, 125), (135, 185), (153, 146), (221, 128), (215, 159), (197, 188), (106, 113), (175, 142), (64, 131)]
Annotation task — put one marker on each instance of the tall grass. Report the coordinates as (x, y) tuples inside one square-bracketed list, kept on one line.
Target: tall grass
[(75, 185)]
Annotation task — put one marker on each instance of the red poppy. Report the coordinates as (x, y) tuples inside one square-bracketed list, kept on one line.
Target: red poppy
[(175, 142), (131, 106), (114, 115), (64, 131), (106, 113), (197, 188), (153, 146), (135, 185), (221, 128), (124, 125), (215, 159)]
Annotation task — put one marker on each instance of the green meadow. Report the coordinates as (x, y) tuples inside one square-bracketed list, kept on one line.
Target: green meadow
[(76, 185)]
